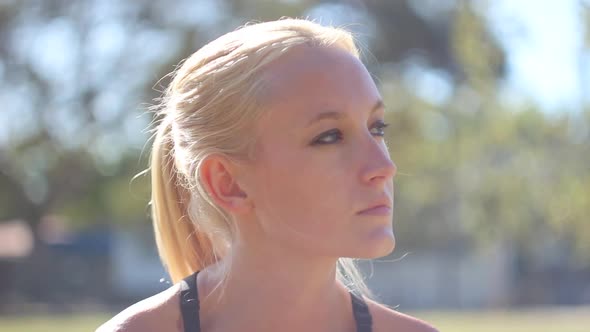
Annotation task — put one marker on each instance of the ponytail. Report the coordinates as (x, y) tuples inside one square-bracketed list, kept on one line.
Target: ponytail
[(182, 246)]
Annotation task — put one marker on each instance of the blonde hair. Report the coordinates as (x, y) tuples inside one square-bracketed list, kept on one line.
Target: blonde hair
[(210, 107)]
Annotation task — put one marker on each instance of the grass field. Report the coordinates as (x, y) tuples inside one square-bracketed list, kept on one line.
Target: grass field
[(537, 320), (534, 320)]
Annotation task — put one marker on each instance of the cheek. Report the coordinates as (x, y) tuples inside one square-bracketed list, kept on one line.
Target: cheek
[(304, 197)]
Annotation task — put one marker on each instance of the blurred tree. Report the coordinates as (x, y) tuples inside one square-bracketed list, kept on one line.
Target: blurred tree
[(76, 77)]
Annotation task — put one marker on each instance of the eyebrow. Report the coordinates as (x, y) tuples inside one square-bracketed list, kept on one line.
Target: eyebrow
[(337, 115)]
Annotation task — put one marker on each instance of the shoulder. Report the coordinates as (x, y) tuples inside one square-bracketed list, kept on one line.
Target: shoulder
[(159, 312), (386, 320)]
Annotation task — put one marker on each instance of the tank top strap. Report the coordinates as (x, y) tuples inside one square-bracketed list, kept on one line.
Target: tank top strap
[(189, 303), (362, 316)]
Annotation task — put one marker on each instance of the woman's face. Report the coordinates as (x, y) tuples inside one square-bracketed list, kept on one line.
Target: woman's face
[(321, 157)]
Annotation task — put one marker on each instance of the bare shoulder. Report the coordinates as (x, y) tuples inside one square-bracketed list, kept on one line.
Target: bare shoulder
[(159, 312), (387, 320)]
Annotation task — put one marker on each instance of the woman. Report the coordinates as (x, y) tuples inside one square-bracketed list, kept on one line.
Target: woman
[(269, 174)]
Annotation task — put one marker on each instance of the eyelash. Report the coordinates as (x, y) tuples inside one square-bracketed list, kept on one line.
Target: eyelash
[(378, 124)]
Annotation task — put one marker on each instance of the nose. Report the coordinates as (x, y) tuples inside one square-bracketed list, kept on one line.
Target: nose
[(378, 166)]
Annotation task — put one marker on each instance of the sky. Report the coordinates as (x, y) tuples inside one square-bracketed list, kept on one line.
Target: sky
[(543, 39)]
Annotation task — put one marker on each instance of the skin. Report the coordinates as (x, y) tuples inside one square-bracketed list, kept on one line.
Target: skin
[(295, 208)]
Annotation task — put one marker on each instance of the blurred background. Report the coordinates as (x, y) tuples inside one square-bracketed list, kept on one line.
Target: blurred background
[(489, 105)]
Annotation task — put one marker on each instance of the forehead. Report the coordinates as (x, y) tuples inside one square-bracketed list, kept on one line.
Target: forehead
[(309, 80)]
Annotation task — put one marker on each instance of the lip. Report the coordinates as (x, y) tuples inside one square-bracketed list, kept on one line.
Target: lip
[(379, 210)]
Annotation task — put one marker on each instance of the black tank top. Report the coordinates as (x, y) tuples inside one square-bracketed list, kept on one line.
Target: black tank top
[(189, 305)]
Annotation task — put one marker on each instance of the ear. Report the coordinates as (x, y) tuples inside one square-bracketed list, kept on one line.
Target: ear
[(218, 175)]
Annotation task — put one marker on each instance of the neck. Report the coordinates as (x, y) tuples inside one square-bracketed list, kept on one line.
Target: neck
[(270, 289)]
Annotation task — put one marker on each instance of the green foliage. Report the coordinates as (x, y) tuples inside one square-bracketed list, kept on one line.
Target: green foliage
[(471, 169)]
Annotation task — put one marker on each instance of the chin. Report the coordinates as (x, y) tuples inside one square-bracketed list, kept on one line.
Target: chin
[(375, 247), (385, 249)]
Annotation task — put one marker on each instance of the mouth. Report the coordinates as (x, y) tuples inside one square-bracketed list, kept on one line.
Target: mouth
[(378, 210)]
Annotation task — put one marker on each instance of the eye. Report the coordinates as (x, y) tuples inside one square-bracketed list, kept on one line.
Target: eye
[(334, 135), (381, 126)]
